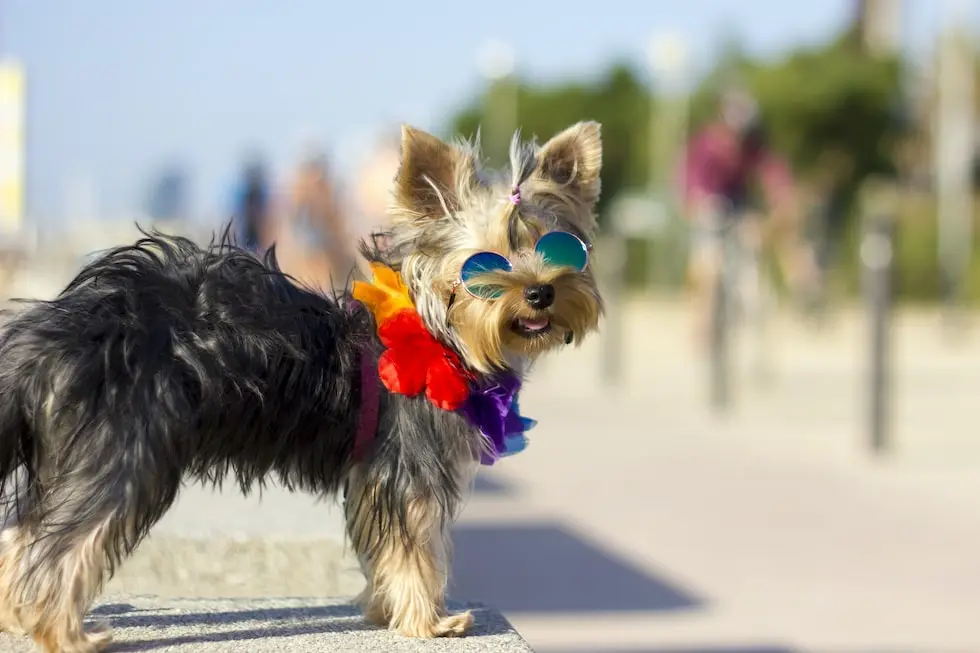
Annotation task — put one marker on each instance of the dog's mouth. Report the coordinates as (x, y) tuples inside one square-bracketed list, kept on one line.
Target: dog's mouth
[(531, 327)]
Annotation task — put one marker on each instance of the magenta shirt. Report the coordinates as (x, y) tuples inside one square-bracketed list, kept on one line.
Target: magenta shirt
[(713, 165)]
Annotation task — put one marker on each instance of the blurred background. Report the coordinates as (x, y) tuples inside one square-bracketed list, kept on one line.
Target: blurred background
[(773, 444)]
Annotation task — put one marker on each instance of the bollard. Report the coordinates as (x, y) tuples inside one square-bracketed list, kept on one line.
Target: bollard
[(720, 345), (631, 216), (614, 261), (877, 261)]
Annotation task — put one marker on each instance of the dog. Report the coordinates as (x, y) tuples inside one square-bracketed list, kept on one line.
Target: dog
[(164, 361)]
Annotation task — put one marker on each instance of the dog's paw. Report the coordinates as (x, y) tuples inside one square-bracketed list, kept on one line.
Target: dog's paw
[(374, 613), (10, 624), (12, 628), (454, 625), (372, 607), (93, 640), (99, 636)]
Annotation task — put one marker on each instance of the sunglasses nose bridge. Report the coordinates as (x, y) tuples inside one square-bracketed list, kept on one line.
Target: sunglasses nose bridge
[(528, 260)]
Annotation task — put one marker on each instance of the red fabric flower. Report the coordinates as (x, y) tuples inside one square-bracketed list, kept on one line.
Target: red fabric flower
[(414, 360)]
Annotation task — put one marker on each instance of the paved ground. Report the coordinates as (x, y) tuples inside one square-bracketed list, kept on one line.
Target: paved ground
[(638, 522), (772, 529), (266, 626)]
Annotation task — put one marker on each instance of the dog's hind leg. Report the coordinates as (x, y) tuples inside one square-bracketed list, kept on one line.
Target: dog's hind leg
[(52, 582), (60, 560), (12, 543), (49, 575), (404, 553)]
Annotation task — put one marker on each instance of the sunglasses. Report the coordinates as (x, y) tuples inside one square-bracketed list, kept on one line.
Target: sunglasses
[(559, 249)]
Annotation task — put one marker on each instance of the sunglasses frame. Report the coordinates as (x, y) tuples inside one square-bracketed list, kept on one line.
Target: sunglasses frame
[(459, 282)]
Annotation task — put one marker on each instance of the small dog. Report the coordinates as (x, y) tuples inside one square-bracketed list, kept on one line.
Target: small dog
[(163, 362)]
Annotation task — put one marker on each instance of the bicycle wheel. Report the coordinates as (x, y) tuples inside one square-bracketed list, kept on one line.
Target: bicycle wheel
[(721, 328)]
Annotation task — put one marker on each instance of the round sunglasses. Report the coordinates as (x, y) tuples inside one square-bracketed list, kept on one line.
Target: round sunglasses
[(558, 249)]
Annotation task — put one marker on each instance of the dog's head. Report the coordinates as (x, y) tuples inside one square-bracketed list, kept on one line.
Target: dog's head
[(499, 263)]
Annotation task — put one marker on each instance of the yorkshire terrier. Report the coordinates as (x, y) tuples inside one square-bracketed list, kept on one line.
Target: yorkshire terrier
[(165, 361)]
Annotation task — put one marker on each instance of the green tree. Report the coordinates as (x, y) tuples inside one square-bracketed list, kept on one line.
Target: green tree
[(830, 109), (817, 100), (831, 98), (619, 100)]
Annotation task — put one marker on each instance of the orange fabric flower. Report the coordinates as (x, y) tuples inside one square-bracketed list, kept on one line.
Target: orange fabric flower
[(386, 295)]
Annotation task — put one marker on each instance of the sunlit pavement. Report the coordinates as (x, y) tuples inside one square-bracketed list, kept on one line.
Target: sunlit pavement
[(638, 521)]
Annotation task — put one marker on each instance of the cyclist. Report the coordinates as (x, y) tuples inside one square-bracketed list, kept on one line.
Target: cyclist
[(723, 163)]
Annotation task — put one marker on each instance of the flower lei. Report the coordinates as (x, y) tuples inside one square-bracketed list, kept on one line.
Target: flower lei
[(415, 361)]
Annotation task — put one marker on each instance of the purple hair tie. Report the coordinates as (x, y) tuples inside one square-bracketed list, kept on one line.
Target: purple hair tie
[(515, 197)]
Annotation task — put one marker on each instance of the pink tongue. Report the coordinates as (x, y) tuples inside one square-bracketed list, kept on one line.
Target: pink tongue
[(535, 325)]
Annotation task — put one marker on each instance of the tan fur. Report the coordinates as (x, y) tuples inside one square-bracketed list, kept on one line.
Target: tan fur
[(49, 605), (484, 326), (444, 211), (406, 581), (11, 557), (569, 165), (428, 175)]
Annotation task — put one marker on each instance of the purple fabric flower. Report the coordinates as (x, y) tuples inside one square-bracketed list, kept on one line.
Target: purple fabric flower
[(493, 409)]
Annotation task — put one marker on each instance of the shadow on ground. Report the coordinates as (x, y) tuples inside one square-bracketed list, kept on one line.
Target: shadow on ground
[(692, 649), (149, 629), (127, 616), (266, 624), (545, 567), (242, 635), (491, 485)]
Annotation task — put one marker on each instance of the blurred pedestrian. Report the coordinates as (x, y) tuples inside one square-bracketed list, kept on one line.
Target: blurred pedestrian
[(252, 206), (313, 241), (372, 196)]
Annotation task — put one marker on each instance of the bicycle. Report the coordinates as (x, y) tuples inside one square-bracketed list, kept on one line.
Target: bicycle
[(740, 293)]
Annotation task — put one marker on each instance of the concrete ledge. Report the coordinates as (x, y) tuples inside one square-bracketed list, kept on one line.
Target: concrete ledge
[(143, 623), (238, 568)]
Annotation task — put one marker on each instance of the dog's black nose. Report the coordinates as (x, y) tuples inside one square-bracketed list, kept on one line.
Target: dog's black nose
[(541, 296)]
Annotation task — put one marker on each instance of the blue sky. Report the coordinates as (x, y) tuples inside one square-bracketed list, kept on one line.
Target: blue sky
[(119, 87)]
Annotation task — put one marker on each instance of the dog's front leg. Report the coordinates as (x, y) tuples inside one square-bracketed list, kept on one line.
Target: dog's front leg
[(404, 549)]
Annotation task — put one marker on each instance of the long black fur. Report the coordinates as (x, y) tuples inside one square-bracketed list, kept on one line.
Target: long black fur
[(164, 361)]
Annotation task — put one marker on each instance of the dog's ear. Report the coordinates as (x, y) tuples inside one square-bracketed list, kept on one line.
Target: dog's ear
[(428, 175), (573, 160)]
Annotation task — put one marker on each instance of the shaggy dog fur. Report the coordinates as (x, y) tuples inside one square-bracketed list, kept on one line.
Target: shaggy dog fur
[(164, 361)]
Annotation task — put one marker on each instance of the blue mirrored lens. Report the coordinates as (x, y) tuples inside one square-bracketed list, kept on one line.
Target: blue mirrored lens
[(562, 249), (480, 264)]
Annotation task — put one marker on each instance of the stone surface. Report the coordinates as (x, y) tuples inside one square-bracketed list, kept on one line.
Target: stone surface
[(273, 625), (251, 567)]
